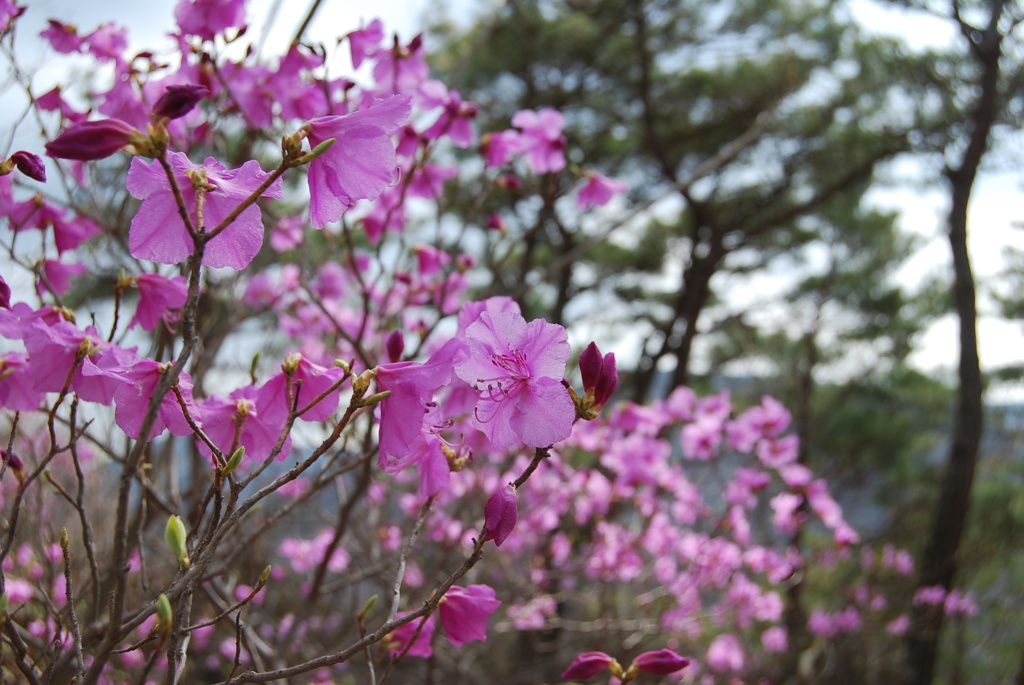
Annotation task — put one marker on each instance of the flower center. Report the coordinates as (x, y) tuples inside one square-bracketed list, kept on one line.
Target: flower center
[(512, 374)]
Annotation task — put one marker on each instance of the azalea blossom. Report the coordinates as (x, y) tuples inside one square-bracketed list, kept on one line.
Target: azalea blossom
[(542, 138), (208, 18), (516, 369), (157, 232), (158, 296), (464, 612), (360, 163), (599, 190)]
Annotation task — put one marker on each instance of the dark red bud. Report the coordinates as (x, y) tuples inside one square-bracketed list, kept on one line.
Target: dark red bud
[(661, 662), (12, 460), (586, 665), (30, 165), (607, 382), (500, 514), (177, 101), (591, 362), (395, 345), (88, 140)]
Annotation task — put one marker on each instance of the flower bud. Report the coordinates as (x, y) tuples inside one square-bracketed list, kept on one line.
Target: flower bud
[(89, 140), (661, 662), (29, 164), (586, 665), (164, 615), (291, 363), (13, 461), (177, 539), (501, 514), (177, 101), (368, 607), (600, 377), (395, 345), (232, 464)]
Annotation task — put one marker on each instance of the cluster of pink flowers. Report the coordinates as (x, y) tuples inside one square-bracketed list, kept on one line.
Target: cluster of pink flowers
[(687, 506)]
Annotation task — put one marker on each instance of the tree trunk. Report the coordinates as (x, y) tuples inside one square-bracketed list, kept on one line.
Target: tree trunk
[(938, 565)]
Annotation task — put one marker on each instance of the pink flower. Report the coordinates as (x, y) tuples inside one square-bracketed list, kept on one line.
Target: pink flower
[(725, 653), (63, 38), (661, 662), (598, 191), (464, 613), (8, 13), (542, 138), (157, 296), (775, 639), (500, 514), (16, 391), (5, 294), (365, 42), (208, 18), (400, 69), (516, 369), (59, 275), (587, 665), (307, 381), (132, 402), (499, 146), (107, 43), (157, 232), (360, 163), (258, 434), (403, 412), (898, 626), (402, 635)]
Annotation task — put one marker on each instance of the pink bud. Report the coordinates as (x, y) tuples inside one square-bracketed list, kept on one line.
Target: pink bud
[(5, 294), (501, 514), (89, 140), (30, 165), (586, 665), (177, 101), (661, 662)]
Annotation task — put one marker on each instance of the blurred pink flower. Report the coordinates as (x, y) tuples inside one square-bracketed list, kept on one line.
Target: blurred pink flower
[(599, 190), (208, 18)]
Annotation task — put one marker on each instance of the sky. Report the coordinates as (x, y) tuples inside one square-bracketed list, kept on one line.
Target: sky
[(995, 209)]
